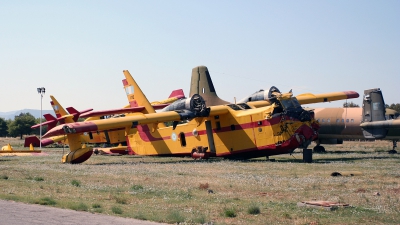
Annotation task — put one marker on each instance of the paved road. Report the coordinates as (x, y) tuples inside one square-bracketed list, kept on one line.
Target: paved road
[(17, 213)]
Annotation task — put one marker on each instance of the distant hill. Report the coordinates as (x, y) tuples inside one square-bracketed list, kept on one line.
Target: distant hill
[(35, 112)]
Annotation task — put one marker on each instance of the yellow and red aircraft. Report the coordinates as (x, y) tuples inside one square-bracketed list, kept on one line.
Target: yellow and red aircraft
[(107, 137), (232, 130)]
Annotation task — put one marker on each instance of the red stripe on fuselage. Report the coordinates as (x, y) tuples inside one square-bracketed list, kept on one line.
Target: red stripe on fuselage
[(146, 135)]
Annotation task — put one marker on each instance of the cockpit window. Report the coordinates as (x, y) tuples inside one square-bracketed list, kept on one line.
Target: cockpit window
[(290, 103), (235, 107), (244, 105)]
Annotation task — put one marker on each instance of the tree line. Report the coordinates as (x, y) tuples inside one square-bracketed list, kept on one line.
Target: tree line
[(22, 123), (20, 126)]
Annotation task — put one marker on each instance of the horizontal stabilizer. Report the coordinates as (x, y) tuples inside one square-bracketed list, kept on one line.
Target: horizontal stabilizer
[(177, 94), (112, 112), (77, 113), (160, 106), (51, 122)]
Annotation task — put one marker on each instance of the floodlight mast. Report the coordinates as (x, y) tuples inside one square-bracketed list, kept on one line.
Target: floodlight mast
[(41, 91)]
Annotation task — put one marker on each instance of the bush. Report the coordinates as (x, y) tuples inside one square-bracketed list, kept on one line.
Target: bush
[(230, 213), (96, 206), (38, 179), (76, 183), (80, 207), (116, 210), (253, 210), (46, 201)]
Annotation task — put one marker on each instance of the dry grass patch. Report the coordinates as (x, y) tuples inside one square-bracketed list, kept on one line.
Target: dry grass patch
[(254, 191)]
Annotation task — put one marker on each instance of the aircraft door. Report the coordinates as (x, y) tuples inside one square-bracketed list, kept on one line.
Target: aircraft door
[(210, 136), (182, 139)]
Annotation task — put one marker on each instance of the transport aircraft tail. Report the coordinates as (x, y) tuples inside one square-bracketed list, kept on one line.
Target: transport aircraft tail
[(373, 111), (202, 84)]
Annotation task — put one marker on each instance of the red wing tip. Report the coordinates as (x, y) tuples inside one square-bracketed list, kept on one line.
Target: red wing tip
[(352, 94)]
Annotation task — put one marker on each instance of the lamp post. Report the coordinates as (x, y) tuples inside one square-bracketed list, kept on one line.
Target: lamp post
[(41, 91)]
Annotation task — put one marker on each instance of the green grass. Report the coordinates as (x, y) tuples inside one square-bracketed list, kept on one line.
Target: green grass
[(253, 209), (38, 178), (229, 212), (175, 217), (46, 201), (116, 210), (76, 183), (79, 206)]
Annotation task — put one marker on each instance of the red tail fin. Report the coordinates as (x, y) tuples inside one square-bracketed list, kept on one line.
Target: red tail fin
[(32, 140)]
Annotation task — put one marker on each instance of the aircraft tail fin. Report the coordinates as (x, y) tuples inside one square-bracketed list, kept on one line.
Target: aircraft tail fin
[(31, 140), (373, 105), (202, 84), (373, 113), (136, 96), (59, 110)]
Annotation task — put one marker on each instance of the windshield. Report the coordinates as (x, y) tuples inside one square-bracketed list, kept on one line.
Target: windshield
[(291, 103)]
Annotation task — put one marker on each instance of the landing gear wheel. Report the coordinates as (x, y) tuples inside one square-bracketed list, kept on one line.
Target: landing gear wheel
[(392, 152), (319, 148)]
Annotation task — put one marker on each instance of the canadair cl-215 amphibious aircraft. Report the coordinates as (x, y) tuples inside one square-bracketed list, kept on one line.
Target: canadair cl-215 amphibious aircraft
[(232, 130), (110, 137)]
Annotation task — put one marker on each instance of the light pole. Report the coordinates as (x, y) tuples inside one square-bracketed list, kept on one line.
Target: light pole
[(41, 91)]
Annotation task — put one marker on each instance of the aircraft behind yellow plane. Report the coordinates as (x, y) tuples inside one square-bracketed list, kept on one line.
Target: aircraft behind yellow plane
[(232, 130), (368, 122)]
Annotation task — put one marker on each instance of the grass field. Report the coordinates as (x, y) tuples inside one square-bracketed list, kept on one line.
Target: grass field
[(215, 191)]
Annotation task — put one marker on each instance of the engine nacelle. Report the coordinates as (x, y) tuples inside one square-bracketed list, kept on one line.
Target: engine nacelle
[(261, 95), (195, 105)]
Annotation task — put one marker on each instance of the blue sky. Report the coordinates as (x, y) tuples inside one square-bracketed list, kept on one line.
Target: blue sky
[(77, 50)]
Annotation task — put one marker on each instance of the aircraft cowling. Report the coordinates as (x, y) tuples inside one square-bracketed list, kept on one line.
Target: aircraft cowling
[(261, 95), (194, 105)]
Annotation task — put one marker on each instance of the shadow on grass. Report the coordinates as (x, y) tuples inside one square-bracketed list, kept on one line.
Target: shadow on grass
[(160, 160), (341, 156)]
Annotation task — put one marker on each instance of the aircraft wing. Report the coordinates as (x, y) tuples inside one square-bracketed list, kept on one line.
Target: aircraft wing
[(309, 98), (115, 123), (52, 121), (112, 111), (195, 108)]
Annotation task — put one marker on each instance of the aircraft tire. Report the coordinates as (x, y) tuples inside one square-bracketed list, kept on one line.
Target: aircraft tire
[(319, 148)]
